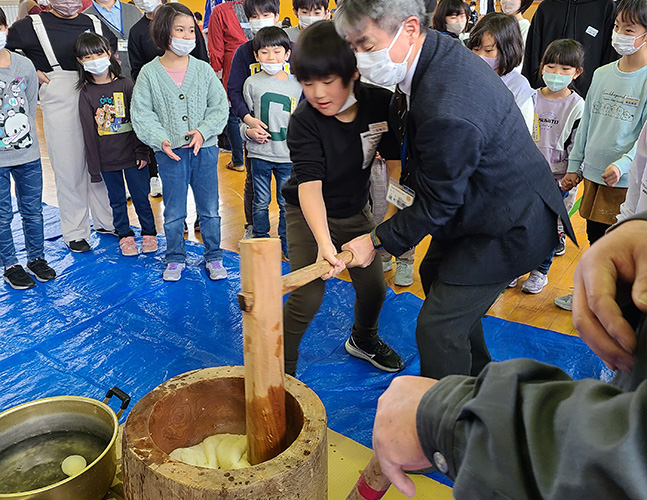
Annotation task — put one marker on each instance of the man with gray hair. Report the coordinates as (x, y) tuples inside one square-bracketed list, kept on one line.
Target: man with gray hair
[(472, 178)]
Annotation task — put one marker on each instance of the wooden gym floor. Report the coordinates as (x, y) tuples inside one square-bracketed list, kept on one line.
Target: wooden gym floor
[(535, 310)]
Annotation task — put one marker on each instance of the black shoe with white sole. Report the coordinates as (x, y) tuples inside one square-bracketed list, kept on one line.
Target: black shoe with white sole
[(41, 270), (79, 246), (18, 279), (375, 351)]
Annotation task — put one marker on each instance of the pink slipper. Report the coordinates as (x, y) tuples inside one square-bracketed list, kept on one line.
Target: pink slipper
[(128, 246), (149, 245)]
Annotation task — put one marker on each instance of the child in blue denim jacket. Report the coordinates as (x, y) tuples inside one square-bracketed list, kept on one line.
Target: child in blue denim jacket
[(179, 107), (20, 159)]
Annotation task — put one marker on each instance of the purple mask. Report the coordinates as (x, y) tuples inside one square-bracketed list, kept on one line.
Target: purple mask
[(493, 62), (67, 8)]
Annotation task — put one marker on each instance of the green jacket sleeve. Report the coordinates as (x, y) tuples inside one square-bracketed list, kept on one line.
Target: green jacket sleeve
[(146, 123), (217, 112), (525, 430)]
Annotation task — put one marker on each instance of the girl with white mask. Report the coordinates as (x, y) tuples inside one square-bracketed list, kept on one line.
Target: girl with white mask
[(111, 147), (308, 12), (450, 18), (178, 109), (614, 114)]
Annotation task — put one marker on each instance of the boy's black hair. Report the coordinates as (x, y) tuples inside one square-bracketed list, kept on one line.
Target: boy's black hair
[(447, 8), (92, 43), (566, 52), (472, 4), (272, 36), (3, 18), (197, 15), (632, 11), (255, 7), (320, 52), (310, 4), (507, 36), (162, 23)]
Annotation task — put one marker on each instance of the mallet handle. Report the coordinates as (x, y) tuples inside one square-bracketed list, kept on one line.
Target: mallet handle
[(372, 484), (305, 275)]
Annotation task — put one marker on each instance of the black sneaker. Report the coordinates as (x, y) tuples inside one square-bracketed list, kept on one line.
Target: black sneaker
[(196, 224), (560, 249), (41, 270), (101, 230), (376, 352), (18, 279), (79, 246)]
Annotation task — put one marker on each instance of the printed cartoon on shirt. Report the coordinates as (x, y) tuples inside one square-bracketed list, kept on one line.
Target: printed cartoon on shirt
[(14, 122), (110, 116)]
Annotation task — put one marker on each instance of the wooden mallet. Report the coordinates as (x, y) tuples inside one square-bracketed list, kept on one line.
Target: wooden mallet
[(372, 483), (261, 299)]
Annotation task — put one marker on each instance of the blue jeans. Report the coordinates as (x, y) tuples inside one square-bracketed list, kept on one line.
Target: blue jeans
[(29, 192), (235, 140), (138, 184), (262, 181), (200, 172)]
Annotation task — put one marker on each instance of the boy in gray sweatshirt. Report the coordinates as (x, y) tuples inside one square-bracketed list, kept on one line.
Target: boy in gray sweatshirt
[(272, 95)]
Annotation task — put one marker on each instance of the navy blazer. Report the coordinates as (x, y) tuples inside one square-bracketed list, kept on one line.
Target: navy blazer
[(483, 189)]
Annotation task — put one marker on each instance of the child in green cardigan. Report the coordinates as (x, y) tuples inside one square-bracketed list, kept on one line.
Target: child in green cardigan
[(179, 107)]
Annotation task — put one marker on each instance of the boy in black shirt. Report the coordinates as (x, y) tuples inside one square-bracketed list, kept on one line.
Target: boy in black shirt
[(333, 137)]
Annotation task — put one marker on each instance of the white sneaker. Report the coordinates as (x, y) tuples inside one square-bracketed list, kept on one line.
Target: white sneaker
[(565, 302), (173, 271), (403, 274), (156, 187), (514, 282), (216, 270), (535, 282)]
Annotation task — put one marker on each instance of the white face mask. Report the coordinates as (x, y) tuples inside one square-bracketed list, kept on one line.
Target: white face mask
[(349, 101), (305, 21), (98, 66), (182, 46), (272, 68), (378, 67), (624, 44), (3, 39), (456, 28), (257, 24), (510, 6), (147, 6)]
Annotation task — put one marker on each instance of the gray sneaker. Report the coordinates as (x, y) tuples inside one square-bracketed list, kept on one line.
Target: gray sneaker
[(565, 302), (173, 271), (535, 282), (387, 265), (403, 274), (514, 282), (216, 270)]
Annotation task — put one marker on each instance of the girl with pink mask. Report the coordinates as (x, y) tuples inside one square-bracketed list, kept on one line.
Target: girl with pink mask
[(497, 40)]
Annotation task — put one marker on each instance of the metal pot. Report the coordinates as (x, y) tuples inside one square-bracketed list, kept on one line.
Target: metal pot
[(67, 414)]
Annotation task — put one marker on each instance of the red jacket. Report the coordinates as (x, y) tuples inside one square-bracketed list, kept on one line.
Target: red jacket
[(224, 37)]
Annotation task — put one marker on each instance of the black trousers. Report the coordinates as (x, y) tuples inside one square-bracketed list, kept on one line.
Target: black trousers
[(304, 302), (449, 333)]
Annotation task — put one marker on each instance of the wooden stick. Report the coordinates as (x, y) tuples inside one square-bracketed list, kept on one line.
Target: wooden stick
[(305, 275), (372, 483), (260, 271)]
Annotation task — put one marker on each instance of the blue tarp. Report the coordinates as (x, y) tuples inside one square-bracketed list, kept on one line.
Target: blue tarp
[(110, 320)]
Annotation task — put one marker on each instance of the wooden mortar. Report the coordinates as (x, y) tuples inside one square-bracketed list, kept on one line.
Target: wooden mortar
[(186, 409)]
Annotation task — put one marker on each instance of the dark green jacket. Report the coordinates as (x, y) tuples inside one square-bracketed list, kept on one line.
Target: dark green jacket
[(526, 430)]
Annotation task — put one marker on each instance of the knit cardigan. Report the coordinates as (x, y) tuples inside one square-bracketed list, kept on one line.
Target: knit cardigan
[(160, 111)]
